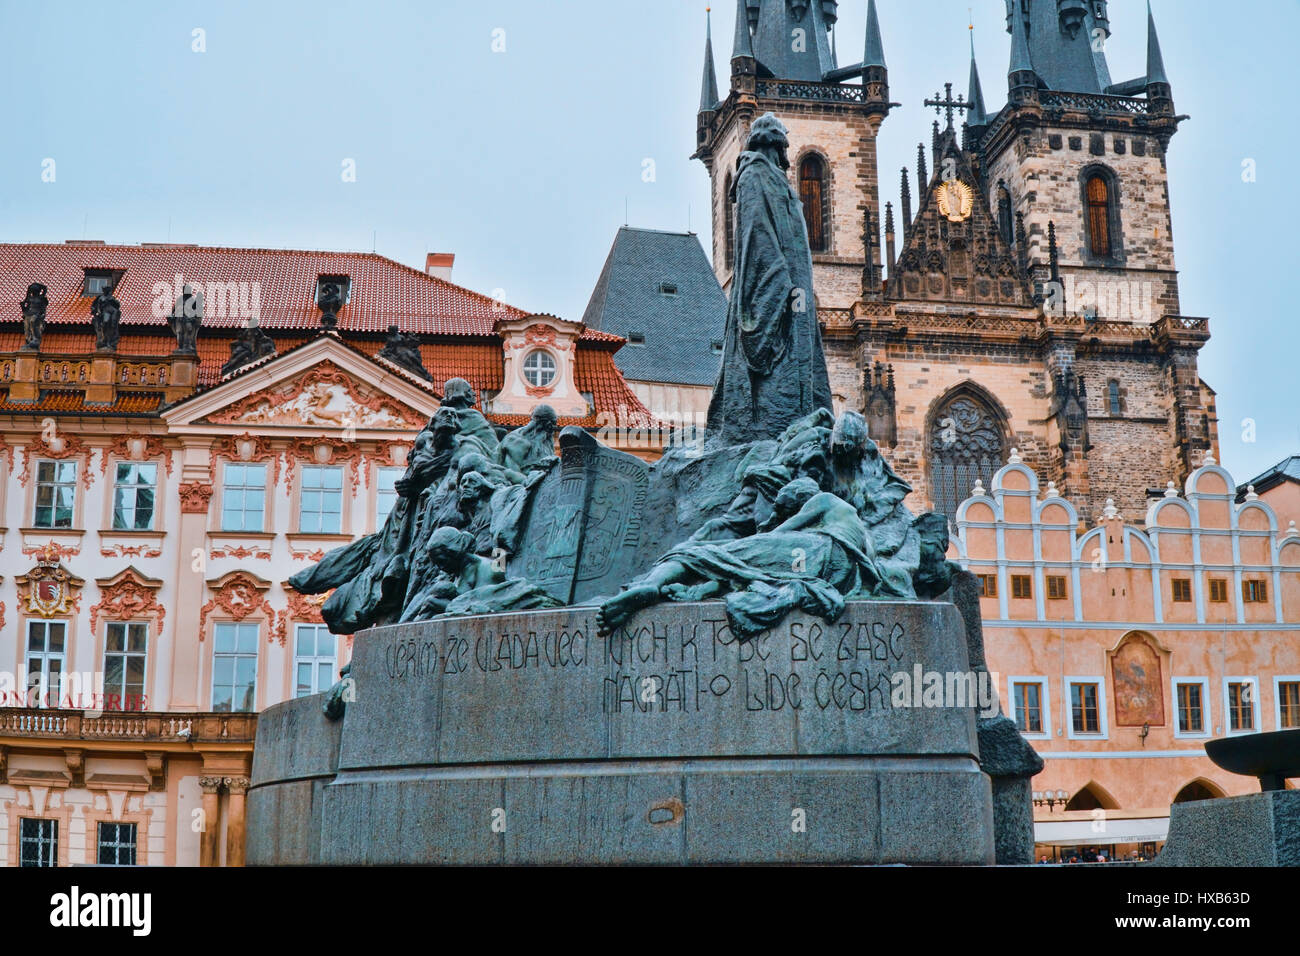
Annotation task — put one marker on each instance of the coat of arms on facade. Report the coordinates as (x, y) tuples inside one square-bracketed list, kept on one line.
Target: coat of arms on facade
[(49, 589)]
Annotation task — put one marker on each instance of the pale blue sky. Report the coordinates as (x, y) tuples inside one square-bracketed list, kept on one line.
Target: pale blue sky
[(521, 162)]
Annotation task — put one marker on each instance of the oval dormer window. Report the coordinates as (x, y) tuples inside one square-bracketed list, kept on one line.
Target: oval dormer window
[(539, 368)]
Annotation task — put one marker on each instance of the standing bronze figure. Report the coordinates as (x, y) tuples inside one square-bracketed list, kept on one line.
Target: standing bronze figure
[(773, 369)]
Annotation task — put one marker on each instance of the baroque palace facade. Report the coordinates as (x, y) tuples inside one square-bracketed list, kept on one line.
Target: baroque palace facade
[(1012, 329), (165, 467)]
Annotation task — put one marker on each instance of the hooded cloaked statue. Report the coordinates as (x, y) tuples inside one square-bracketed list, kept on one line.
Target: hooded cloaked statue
[(773, 369)]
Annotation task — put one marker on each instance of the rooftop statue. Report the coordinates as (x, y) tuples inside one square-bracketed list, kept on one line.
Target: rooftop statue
[(106, 320), (185, 319), (773, 368), (329, 301), (34, 306), (250, 345), (403, 348)]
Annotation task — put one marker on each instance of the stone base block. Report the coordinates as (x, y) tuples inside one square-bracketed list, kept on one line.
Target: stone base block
[(529, 739), (662, 812), (1259, 829)]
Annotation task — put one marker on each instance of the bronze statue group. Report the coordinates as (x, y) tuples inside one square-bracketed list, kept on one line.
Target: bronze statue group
[(816, 515)]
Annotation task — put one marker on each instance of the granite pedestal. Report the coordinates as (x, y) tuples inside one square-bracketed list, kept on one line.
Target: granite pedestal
[(1256, 829), (528, 738)]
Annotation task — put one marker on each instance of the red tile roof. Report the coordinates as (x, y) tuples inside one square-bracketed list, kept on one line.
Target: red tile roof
[(382, 291), (66, 402), (459, 322)]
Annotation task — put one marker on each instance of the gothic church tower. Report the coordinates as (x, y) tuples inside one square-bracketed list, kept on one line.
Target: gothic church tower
[(784, 59), (1028, 301)]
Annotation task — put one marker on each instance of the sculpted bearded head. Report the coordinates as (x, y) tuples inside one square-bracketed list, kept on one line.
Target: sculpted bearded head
[(446, 421), (543, 420), (458, 393)]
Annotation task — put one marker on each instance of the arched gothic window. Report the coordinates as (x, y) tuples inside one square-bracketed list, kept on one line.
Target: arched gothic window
[(1099, 208), (1005, 224), (814, 194), (967, 442), (1092, 797), (1196, 790)]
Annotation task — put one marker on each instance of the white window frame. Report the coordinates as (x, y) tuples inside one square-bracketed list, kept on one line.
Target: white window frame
[(1278, 681), (118, 486), (320, 512), (126, 653), (1207, 718), (313, 660), (236, 654), (45, 691), (1044, 699), (36, 497), (1254, 704), (244, 511), (554, 368), (1103, 717), (381, 492)]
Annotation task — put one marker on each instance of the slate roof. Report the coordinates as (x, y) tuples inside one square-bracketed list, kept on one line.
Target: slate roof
[(679, 329), (786, 60), (1063, 63), (1288, 469)]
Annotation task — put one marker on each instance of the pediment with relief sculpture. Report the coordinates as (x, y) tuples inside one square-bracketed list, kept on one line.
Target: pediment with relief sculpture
[(325, 395)]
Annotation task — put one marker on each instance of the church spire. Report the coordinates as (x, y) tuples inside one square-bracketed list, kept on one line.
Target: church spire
[(907, 205), (1155, 62), (1022, 81), (1160, 95), (742, 46), (709, 85), (875, 50), (976, 115), (875, 75), (1020, 61)]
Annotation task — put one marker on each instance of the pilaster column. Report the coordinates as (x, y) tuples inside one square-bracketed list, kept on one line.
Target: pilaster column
[(236, 787), (211, 820), (195, 489)]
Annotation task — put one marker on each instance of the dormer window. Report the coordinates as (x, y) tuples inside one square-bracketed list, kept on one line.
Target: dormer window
[(343, 283), (668, 288), (636, 338), (100, 280), (539, 368), (716, 346)]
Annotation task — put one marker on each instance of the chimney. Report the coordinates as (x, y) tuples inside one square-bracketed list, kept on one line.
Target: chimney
[(438, 265)]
